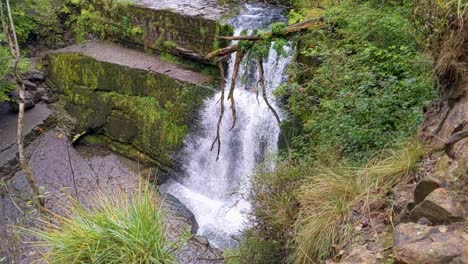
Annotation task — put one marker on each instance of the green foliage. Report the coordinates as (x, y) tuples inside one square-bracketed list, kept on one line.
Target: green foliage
[(5, 68), (278, 28), (5, 63), (295, 16), (370, 87), (116, 227), (91, 17), (274, 210), (37, 20), (257, 250)]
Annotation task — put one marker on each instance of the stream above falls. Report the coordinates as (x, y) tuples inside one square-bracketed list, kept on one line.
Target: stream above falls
[(216, 190)]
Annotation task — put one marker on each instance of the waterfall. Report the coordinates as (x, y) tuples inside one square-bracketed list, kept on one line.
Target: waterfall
[(215, 191)]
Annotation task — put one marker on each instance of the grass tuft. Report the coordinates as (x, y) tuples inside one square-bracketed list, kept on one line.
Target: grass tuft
[(116, 227), (332, 194)]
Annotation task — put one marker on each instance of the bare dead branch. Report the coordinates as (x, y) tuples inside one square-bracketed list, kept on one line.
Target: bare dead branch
[(235, 73), (261, 81), (218, 137)]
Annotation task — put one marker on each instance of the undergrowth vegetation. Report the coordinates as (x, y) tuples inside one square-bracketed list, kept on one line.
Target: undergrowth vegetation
[(116, 227), (355, 96), (304, 212), (335, 196), (369, 88)]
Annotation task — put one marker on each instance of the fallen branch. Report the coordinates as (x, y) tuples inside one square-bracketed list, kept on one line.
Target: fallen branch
[(294, 28), (223, 52)]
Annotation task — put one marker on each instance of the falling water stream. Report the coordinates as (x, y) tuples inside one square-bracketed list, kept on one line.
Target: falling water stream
[(215, 191)]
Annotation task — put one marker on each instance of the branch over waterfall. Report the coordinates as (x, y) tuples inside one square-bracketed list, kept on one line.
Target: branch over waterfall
[(258, 44)]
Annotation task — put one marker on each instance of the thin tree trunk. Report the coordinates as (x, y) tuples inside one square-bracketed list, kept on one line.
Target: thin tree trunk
[(15, 53)]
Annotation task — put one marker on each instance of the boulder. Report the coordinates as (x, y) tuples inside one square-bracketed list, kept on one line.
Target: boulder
[(34, 76), (425, 187), (360, 255), (29, 85), (440, 206), (37, 94), (420, 244)]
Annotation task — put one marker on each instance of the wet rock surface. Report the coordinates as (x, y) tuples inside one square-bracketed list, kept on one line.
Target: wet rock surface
[(421, 244), (35, 120)]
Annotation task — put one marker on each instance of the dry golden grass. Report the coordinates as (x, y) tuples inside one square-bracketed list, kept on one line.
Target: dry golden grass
[(331, 190)]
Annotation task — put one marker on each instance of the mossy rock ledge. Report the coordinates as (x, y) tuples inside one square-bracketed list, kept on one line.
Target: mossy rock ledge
[(179, 27), (142, 104)]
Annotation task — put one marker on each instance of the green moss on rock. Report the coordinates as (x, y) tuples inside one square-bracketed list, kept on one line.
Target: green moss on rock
[(158, 26), (148, 111)]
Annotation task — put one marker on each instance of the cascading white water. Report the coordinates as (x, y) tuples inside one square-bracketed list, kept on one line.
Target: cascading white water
[(215, 191)]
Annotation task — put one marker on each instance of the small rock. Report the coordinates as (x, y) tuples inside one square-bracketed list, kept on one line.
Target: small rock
[(420, 244), (440, 206), (45, 99), (35, 76), (361, 255), (202, 240), (28, 100), (37, 95), (425, 187), (29, 85)]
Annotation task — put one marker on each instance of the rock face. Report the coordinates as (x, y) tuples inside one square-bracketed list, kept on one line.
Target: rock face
[(171, 26), (440, 206), (135, 99), (420, 244)]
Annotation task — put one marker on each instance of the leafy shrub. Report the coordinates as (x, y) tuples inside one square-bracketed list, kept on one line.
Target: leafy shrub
[(37, 20), (115, 228), (370, 87)]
